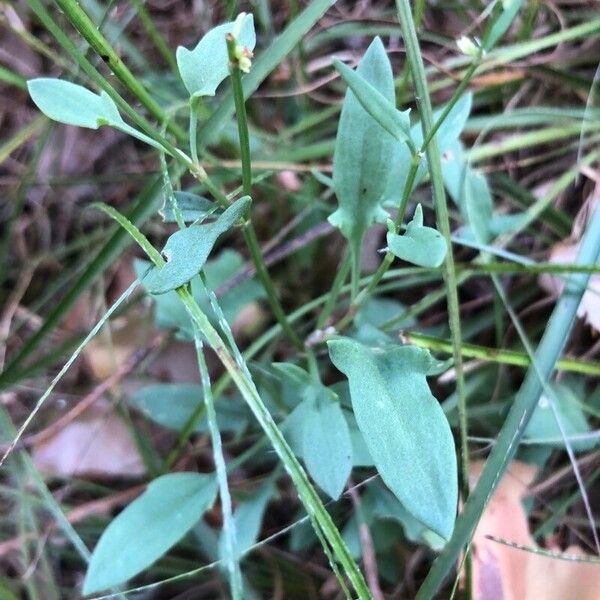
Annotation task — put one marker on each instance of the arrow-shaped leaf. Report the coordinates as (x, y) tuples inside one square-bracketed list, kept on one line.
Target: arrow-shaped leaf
[(420, 245), (74, 104), (206, 66), (404, 427), (186, 250)]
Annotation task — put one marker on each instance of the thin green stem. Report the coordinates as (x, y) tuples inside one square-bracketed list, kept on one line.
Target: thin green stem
[(308, 495), (229, 531), (494, 355), (247, 227), (383, 268), (547, 354), (240, 110), (462, 86), (441, 208), (334, 292), (194, 100)]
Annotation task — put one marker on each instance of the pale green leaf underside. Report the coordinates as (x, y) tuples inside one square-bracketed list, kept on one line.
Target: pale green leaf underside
[(404, 427), (149, 527), (186, 250), (207, 65), (326, 445), (395, 122), (362, 153), (74, 104), (419, 245)]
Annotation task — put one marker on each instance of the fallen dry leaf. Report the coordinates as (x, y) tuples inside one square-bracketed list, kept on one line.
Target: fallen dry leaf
[(503, 572), (98, 444)]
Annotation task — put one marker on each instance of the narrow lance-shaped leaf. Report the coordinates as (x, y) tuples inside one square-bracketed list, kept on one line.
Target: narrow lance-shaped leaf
[(394, 121), (362, 154), (404, 427), (148, 528), (420, 245), (320, 430), (326, 444), (207, 65), (74, 104), (187, 250)]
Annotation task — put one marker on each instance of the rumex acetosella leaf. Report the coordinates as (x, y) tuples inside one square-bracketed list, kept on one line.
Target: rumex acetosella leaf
[(404, 427), (327, 448), (186, 250), (149, 527), (207, 65), (321, 430), (74, 104), (362, 153), (420, 245)]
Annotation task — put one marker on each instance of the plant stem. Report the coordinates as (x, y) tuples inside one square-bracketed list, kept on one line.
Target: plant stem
[(439, 196), (194, 100), (550, 348), (362, 297), (308, 495), (505, 357), (231, 554), (247, 227)]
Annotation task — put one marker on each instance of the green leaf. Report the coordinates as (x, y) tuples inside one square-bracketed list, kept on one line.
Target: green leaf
[(187, 250), (148, 528), (207, 65), (172, 404), (422, 246), (318, 431), (192, 207), (395, 122), (74, 104), (404, 427), (327, 448), (362, 153)]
